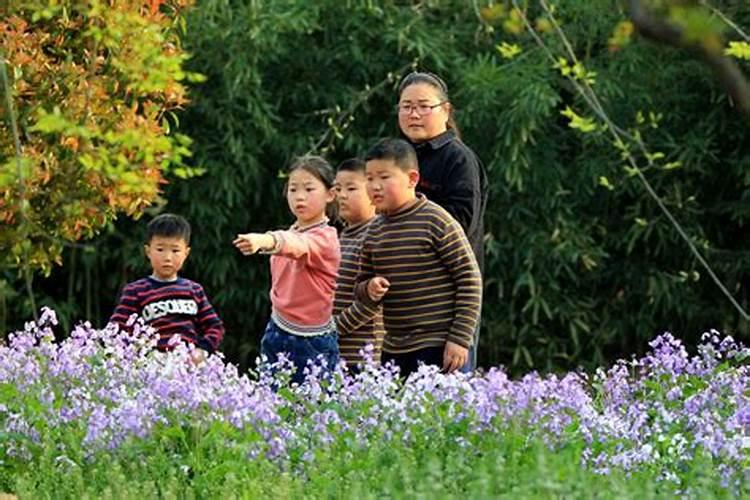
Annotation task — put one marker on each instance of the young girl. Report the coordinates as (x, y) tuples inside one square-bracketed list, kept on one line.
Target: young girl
[(304, 264), (450, 174)]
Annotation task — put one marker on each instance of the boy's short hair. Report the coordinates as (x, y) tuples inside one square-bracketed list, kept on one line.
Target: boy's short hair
[(352, 165), (168, 226), (400, 152)]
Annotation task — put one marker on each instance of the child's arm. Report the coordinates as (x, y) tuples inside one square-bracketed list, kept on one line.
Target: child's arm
[(210, 327), (456, 253), (250, 243), (316, 245), (127, 305), (360, 312), (369, 289), (354, 316)]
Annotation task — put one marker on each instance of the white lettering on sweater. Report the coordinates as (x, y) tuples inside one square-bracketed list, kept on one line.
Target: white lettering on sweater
[(156, 310)]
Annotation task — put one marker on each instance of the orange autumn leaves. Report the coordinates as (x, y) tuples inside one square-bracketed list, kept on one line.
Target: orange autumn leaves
[(92, 86)]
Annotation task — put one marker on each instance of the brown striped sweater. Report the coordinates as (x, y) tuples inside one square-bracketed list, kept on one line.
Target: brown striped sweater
[(358, 324), (435, 289)]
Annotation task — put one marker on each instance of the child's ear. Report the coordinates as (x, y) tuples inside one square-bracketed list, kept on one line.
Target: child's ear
[(331, 195), (187, 252), (413, 178), (146, 250)]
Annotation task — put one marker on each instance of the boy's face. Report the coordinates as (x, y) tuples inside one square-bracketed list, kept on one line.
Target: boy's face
[(351, 196), (167, 254), (389, 187)]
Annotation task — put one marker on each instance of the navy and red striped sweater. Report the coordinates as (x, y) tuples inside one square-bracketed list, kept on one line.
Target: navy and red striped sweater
[(178, 307)]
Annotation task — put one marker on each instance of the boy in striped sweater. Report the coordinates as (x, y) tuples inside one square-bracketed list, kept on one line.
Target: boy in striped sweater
[(170, 304), (417, 261), (358, 324)]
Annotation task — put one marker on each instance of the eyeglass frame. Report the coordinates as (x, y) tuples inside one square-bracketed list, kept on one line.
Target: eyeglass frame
[(414, 107)]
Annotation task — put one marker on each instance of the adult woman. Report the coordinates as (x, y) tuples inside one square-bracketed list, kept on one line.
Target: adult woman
[(451, 175)]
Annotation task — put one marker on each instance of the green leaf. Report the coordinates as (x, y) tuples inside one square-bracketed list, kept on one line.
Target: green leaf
[(508, 51), (740, 50), (603, 181), (49, 123), (578, 122)]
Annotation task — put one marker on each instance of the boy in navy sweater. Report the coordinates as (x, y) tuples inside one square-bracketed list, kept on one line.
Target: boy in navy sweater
[(170, 304)]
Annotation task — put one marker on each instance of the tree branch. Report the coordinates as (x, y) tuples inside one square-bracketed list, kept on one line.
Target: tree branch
[(728, 73)]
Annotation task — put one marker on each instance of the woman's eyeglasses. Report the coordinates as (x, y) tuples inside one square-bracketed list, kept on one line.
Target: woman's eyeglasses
[(421, 109)]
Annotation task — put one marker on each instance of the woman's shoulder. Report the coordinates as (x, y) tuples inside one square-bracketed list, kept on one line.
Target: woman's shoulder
[(446, 149), (459, 148)]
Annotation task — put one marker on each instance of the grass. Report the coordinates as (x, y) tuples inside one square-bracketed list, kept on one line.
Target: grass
[(493, 466)]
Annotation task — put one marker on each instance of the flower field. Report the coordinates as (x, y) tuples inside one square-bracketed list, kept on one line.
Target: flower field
[(103, 414)]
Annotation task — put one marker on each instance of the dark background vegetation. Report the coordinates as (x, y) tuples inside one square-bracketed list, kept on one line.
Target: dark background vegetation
[(576, 274)]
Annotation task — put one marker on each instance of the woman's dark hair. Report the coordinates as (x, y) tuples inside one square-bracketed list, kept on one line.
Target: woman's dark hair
[(320, 169), (438, 84), (168, 226)]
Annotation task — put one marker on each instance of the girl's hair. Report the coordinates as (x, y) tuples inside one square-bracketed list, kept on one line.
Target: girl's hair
[(438, 84), (321, 170)]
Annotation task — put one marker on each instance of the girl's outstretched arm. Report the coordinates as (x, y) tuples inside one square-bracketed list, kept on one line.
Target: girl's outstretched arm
[(317, 247), (250, 243)]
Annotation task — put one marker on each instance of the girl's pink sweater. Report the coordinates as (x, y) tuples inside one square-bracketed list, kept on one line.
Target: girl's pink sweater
[(303, 278)]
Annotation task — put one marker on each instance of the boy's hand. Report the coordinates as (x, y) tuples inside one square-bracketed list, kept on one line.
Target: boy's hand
[(377, 287), (248, 243), (454, 357), (198, 356)]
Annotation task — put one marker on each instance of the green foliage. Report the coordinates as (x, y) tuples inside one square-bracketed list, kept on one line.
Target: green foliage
[(90, 85), (390, 470), (740, 50), (214, 465), (582, 265)]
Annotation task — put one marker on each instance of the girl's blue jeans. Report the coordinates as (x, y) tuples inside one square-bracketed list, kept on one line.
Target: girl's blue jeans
[(300, 349)]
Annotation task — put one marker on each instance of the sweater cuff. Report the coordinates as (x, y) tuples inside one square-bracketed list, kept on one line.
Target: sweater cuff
[(278, 243), (360, 294), (461, 340)]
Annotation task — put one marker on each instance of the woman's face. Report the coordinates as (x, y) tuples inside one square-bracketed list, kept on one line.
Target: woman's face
[(422, 113)]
